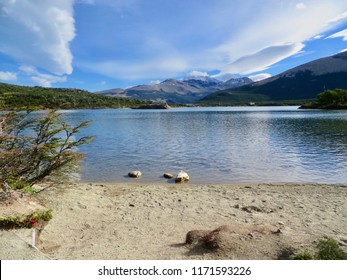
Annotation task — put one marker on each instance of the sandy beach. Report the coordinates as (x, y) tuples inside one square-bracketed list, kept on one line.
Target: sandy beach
[(151, 221)]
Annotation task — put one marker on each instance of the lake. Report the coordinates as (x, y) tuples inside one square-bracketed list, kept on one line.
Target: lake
[(216, 145)]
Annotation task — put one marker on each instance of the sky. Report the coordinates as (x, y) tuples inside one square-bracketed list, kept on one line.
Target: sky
[(102, 44)]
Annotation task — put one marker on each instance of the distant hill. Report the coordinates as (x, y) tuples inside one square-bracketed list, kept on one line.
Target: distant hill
[(300, 83), (188, 90), (13, 97)]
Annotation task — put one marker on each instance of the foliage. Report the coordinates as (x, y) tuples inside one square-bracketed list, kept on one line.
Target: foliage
[(303, 256), (14, 97), (36, 147), (332, 98), (21, 185), (328, 249), (329, 99), (25, 221)]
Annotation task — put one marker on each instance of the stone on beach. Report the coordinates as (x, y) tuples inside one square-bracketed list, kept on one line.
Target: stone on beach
[(134, 174), (182, 177)]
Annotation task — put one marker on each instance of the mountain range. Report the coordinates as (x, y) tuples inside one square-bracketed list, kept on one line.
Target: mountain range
[(296, 85), (300, 83), (187, 90)]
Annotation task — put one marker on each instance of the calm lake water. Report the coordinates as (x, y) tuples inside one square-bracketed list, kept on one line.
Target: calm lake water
[(216, 145)]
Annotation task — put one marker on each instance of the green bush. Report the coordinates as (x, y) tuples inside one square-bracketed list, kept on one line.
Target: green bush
[(33, 148), (332, 98), (329, 249)]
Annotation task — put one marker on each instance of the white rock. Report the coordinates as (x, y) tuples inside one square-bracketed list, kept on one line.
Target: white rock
[(182, 177), (134, 174)]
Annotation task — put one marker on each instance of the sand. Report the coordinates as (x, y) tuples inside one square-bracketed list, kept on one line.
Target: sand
[(150, 221)]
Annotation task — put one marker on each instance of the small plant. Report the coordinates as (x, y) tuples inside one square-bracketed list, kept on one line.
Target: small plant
[(21, 185), (303, 256), (25, 221), (329, 249)]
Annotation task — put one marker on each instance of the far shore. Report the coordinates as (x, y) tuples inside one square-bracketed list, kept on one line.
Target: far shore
[(150, 221)]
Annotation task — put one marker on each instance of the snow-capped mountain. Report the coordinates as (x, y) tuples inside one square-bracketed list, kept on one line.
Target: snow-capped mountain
[(187, 90)]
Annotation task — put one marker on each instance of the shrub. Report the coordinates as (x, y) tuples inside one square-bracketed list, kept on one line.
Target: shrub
[(303, 256), (332, 98), (329, 249), (33, 148)]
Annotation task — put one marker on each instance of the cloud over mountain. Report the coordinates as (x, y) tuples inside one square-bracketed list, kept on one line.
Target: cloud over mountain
[(262, 59)]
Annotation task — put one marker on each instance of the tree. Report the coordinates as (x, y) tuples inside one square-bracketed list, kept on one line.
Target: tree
[(332, 98), (35, 147)]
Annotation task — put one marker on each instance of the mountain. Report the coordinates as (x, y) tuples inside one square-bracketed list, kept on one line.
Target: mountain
[(299, 83), (187, 90)]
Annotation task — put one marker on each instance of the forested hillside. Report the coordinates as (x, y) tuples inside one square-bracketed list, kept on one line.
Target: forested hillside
[(13, 97)]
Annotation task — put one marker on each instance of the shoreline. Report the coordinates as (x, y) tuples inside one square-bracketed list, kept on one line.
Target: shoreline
[(140, 220), (164, 181)]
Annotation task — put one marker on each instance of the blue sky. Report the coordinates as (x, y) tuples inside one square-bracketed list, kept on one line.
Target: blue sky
[(103, 44)]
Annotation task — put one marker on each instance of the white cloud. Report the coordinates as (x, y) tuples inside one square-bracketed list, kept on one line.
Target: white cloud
[(46, 80), (344, 50), (300, 6), (259, 77), (319, 36), (8, 76), (197, 74), (272, 35), (154, 82), (27, 69), (342, 34), (41, 79), (38, 33), (338, 17), (262, 59)]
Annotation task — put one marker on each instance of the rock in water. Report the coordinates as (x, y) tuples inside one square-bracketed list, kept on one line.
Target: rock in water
[(168, 175), (134, 174), (182, 177)]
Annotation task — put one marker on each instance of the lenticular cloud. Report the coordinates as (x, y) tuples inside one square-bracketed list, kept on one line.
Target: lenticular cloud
[(263, 59), (38, 33)]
